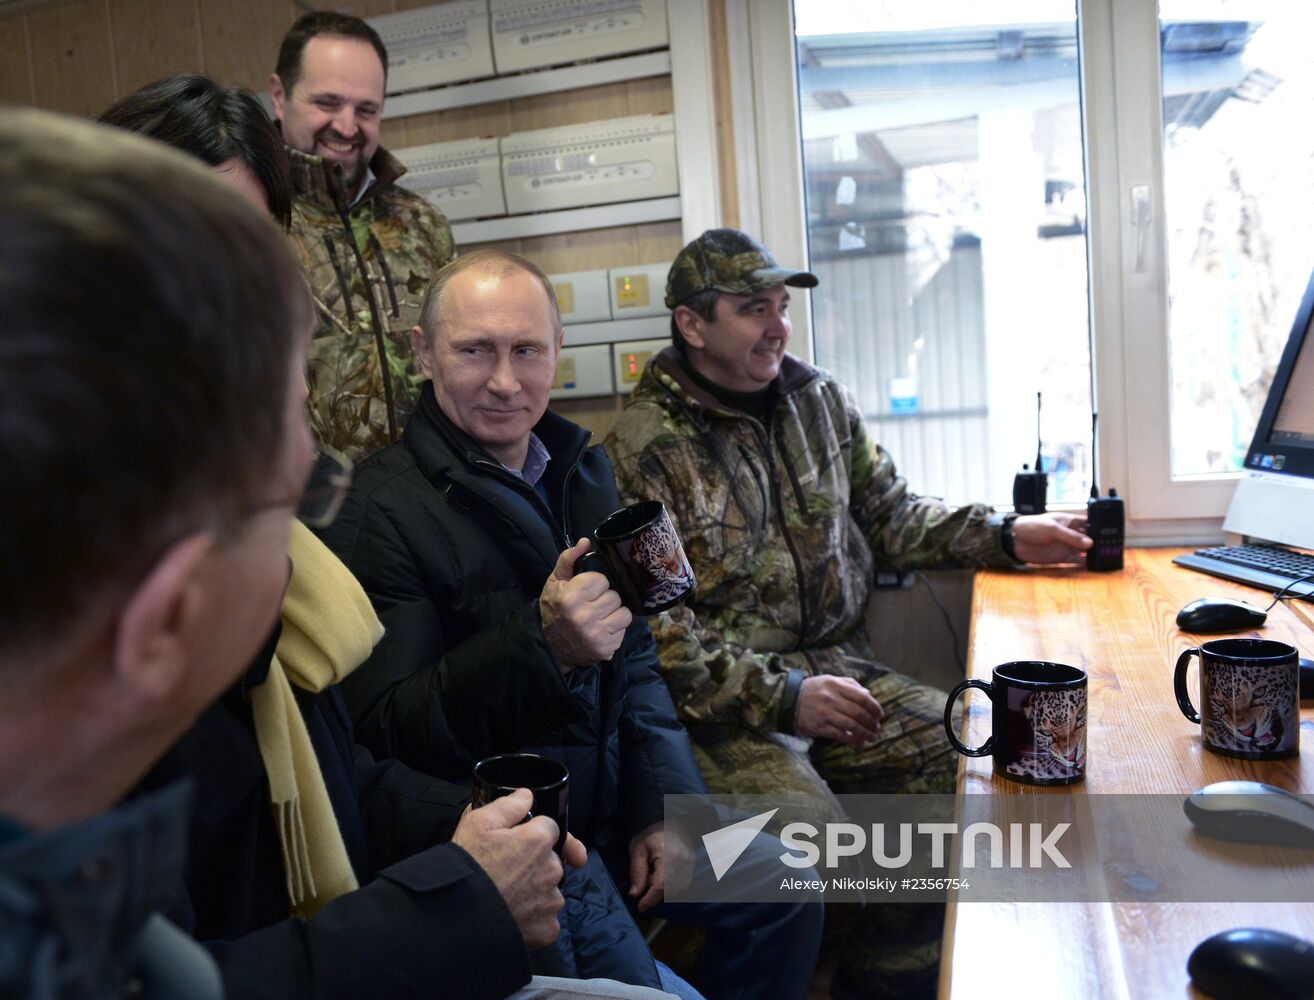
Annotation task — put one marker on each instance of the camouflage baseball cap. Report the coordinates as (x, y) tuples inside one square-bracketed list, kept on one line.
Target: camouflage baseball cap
[(728, 261)]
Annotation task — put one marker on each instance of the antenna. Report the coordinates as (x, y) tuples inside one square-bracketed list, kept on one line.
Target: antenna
[(1030, 486), (1106, 520), (1039, 468), (1094, 455)]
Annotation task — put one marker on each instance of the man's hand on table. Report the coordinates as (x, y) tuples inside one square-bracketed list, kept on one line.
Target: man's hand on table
[(1050, 538)]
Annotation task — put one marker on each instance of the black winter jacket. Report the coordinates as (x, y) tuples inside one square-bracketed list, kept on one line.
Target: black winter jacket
[(454, 551), (425, 914)]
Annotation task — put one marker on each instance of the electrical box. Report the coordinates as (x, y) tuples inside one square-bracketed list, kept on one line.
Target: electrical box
[(528, 34), (597, 163), (431, 46), (629, 358), (462, 178), (582, 296), (638, 291), (583, 371)]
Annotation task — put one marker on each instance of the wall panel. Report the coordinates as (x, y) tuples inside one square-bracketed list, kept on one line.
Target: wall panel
[(152, 40), (72, 58), (15, 67), (239, 39)]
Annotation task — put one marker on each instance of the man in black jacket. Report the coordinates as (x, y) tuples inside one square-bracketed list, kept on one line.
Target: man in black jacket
[(390, 818), (463, 534), (152, 441)]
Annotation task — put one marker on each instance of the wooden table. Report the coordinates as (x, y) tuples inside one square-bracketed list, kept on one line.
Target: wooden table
[(1120, 628)]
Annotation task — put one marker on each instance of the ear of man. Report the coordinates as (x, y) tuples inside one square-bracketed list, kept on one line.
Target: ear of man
[(420, 351), (156, 627), (276, 95), (692, 327)]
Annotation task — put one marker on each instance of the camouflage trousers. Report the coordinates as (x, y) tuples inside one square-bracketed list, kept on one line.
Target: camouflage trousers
[(889, 950)]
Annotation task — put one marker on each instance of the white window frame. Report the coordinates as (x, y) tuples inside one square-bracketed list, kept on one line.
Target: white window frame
[(1122, 116)]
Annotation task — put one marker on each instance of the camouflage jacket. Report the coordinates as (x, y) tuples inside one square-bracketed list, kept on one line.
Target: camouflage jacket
[(784, 526), (378, 261)]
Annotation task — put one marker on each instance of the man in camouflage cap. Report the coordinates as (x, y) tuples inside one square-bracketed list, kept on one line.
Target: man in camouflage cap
[(369, 245), (786, 509)]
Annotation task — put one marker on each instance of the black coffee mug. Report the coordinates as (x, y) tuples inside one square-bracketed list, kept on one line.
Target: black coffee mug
[(1249, 697), (1037, 722), (547, 779), (638, 550)]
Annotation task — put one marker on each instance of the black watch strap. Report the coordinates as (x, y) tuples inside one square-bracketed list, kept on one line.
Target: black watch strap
[(1006, 539), (788, 718)]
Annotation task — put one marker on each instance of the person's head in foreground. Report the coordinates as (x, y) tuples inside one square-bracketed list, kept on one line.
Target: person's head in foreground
[(224, 126), (154, 447), (729, 303)]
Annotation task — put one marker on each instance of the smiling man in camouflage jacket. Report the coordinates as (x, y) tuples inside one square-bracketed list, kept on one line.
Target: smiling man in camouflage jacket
[(369, 245), (786, 508)]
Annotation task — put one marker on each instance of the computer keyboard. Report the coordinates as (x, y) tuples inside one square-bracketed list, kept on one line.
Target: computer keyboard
[(1265, 566)]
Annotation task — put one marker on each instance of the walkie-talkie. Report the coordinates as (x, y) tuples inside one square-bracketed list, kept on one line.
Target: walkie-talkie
[(1031, 485), (1106, 523)]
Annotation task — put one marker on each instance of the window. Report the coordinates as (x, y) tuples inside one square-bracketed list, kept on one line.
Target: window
[(945, 198), (997, 207), (1238, 164)]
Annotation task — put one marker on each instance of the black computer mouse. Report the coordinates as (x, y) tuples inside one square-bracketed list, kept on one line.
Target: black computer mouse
[(1252, 813), (1219, 614), (1250, 962)]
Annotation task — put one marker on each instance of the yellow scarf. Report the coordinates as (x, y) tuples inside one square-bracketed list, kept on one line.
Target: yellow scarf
[(329, 629)]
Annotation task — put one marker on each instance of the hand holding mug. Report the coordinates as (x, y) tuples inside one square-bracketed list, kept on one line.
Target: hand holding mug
[(583, 619), (519, 858)]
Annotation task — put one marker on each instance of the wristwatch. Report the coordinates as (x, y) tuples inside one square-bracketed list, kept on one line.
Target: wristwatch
[(1006, 539)]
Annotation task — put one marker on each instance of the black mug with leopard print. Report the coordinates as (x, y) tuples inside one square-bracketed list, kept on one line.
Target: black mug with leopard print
[(639, 551), (1249, 697), (1038, 722)]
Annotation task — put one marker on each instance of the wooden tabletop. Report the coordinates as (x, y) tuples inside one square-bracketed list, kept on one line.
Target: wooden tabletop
[(1119, 627)]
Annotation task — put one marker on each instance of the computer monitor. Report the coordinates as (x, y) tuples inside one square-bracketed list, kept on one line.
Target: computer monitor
[(1274, 500)]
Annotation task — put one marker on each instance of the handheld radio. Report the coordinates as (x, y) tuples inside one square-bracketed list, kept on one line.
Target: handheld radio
[(1031, 485), (1106, 522)]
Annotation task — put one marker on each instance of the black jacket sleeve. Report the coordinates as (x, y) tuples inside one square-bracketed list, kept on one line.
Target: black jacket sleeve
[(656, 755), (426, 704), (432, 924), (405, 811)]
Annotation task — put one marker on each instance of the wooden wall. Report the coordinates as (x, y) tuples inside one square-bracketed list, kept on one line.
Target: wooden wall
[(79, 56)]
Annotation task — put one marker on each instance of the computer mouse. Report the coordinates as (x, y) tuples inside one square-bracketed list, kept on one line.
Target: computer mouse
[(1219, 614), (1250, 962), (1252, 813)]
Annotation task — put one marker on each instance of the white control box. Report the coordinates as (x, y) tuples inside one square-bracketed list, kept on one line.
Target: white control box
[(638, 291), (431, 46), (462, 178), (629, 358), (597, 163), (583, 371), (528, 34), (582, 296)]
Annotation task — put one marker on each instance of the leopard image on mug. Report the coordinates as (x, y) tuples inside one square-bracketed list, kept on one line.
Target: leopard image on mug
[(1249, 697), (639, 551), (1038, 722)]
